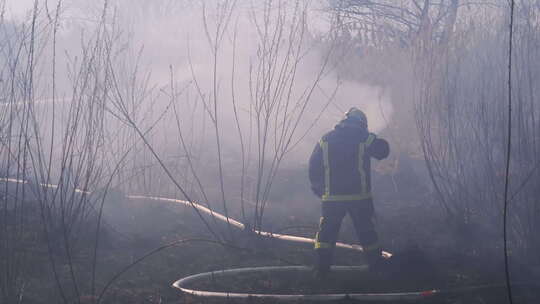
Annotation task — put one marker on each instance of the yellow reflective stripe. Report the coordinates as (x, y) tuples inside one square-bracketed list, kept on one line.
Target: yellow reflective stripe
[(361, 152), (322, 245), (370, 139), (345, 197), (364, 193), (363, 181), (326, 161)]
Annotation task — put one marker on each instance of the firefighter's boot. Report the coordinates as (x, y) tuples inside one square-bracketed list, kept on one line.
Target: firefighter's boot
[(324, 261)]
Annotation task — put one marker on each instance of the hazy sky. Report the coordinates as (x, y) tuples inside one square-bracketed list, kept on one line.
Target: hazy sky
[(18, 7), (167, 30)]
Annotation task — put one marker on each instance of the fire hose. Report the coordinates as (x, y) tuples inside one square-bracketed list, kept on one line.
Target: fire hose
[(182, 284)]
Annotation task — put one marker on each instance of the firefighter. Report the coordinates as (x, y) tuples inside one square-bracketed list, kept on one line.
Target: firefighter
[(340, 175)]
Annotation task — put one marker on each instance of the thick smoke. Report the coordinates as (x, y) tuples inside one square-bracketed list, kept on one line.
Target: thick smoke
[(170, 39), (170, 71), (175, 38)]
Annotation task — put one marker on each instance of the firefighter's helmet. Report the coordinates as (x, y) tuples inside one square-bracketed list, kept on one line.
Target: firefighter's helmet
[(357, 116)]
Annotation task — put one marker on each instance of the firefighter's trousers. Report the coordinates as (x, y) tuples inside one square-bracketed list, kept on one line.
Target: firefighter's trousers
[(361, 213)]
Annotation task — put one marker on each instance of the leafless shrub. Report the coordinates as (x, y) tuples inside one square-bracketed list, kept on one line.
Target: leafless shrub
[(458, 57), (53, 150), (461, 119)]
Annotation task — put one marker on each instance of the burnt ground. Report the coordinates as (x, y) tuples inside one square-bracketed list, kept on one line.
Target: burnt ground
[(429, 253)]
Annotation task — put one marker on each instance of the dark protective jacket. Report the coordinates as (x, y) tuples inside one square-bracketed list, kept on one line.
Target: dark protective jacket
[(340, 166)]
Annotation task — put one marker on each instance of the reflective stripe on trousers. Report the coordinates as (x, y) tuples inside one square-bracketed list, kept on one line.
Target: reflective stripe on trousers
[(361, 213)]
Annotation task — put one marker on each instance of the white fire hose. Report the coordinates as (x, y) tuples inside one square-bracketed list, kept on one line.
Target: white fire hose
[(182, 283)]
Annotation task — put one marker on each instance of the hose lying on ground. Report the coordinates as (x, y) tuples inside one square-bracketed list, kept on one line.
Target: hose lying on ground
[(237, 224), (221, 217), (387, 296), (383, 296), (182, 284)]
